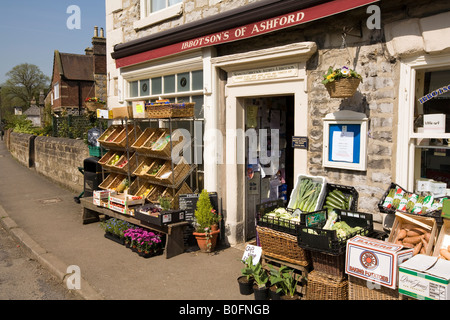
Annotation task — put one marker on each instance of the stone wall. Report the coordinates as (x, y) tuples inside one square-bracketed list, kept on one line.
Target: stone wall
[(55, 158), (20, 146)]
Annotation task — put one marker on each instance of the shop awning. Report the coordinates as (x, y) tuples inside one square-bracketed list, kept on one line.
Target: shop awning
[(242, 23)]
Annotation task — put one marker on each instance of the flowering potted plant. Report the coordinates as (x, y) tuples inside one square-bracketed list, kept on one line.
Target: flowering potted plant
[(215, 220), (94, 103), (341, 82), (145, 242), (115, 229), (203, 219)]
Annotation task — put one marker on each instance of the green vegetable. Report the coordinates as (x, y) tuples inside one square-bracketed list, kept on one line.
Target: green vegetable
[(307, 195)]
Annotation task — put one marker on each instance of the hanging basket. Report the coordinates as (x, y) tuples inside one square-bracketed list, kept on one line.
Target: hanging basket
[(343, 88), (93, 105)]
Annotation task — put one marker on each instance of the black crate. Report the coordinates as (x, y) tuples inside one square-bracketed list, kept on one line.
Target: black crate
[(380, 203), (274, 223), (436, 214), (327, 241), (346, 190), (162, 218)]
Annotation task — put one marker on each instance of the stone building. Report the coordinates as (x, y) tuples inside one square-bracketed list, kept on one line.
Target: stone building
[(77, 76), (270, 56)]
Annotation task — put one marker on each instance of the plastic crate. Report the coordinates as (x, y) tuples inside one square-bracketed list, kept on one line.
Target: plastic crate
[(436, 214), (347, 191), (97, 151), (159, 218), (326, 241), (275, 223)]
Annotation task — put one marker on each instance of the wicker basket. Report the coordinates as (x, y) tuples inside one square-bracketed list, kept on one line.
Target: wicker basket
[(93, 105), (333, 265), (325, 287), (283, 246), (360, 289), (169, 110), (343, 88)]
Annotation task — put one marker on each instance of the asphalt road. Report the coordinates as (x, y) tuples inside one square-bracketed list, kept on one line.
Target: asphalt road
[(23, 278)]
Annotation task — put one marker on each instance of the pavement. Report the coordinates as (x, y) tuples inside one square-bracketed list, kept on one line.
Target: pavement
[(46, 220)]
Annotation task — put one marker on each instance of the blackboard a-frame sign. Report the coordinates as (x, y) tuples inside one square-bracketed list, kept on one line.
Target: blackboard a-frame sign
[(188, 202)]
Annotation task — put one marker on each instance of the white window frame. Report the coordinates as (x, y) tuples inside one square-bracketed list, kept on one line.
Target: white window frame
[(405, 136), (56, 91), (150, 18)]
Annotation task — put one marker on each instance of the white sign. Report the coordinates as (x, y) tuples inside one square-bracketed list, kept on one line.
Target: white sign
[(254, 251), (342, 146), (278, 72)]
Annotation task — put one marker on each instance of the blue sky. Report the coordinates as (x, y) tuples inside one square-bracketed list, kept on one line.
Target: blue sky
[(30, 31)]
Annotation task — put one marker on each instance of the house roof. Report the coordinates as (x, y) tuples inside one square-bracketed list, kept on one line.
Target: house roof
[(33, 110), (75, 66)]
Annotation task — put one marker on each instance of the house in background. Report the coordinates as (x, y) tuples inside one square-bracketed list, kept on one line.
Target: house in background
[(77, 77), (34, 113)]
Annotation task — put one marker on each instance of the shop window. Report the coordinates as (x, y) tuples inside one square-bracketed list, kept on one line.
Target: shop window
[(432, 125), (157, 85), (134, 89), (183, 82), (144, 86)]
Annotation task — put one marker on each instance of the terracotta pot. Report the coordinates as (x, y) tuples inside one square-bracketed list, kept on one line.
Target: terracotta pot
[(206, 242), (214, 227)]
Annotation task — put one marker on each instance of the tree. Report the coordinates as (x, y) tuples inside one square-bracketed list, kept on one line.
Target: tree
[(24, 83)]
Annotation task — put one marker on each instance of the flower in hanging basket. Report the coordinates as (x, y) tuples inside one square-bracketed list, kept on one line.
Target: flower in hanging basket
[(94, 99), (341, 82)]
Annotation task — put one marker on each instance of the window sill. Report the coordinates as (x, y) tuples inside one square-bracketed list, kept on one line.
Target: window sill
[(159, 16)]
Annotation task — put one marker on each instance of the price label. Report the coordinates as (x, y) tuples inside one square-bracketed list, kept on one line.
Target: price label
[(254, 251)]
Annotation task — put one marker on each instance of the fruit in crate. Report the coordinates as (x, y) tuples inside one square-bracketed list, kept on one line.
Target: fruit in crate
[(114, 160)]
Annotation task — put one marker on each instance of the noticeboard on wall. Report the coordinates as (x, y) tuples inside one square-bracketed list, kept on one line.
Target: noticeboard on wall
[(345, 140)]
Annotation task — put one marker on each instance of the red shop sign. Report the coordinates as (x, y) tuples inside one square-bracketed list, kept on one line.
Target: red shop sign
[(248, 31)]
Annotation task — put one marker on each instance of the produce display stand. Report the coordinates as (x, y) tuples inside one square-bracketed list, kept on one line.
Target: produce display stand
[(130, 151), (174, 231)]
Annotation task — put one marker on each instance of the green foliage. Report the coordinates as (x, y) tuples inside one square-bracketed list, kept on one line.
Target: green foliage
[(203, 213), (284, 279)]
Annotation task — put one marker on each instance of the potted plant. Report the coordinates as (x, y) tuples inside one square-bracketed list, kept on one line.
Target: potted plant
[(94, 103), (115, 229), (203, 218), (261, 277), (341, 82), (246, 280), (215, 220), (285, 282)]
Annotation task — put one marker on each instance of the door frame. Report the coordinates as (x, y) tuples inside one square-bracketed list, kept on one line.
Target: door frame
[(232, 116)]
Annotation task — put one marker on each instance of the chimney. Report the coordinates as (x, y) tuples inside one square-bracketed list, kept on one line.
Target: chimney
[(99, 52), (89, 51)]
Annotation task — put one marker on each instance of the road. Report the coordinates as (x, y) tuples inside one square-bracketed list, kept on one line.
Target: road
[(23, 278)]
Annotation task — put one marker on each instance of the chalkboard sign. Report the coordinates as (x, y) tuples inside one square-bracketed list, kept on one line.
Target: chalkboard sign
[(188, 202)]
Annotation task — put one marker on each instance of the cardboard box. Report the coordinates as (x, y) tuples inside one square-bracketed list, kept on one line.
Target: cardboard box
[(139, 109), (426, 278), (123, 203), (423, 185), (104, 114), (438, 189), (375, 261), (122, 112), (434, 123)]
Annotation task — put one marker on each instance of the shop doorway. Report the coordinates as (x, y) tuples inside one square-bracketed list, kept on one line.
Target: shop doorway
[(269, 165)]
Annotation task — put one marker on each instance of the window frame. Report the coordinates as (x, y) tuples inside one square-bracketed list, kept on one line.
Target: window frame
[(148, 18), (56, 89), (406, 137)]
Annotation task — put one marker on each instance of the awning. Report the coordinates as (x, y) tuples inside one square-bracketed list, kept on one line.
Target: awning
[(188, 37)]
